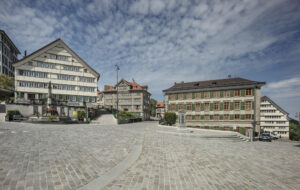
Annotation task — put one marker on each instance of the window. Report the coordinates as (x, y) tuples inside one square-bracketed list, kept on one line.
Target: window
[(188, 117), (46, 65), (237, 92), (206, 117), (172, 97), (227, 93), (226, 117), (73, 99), (59, 57), (206, 94), (236, 105), (248, 92), (33, 74), (206, 106), (189, 107), (216, 106), (180, 106), (86, 89), (180, 96), (70, 68), (172, 107), (63, 87), (86, 79), (197, 117), (65, 77), (248, 116), (32, 84), (198, 107), (216, 117), (197, 95), (217, 94), (226, 105), (189, 95), (248, 105), (236, 117)]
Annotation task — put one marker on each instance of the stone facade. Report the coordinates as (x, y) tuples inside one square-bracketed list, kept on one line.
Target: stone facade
[(8, 54), (73, 81), (231, 103), (273, 118), (132, 98)]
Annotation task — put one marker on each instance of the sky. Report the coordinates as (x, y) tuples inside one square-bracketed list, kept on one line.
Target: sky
[(158, 42)]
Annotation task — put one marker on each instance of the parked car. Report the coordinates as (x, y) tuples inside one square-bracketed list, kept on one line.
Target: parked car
[(273, 136), (13, 115), (265, 137)]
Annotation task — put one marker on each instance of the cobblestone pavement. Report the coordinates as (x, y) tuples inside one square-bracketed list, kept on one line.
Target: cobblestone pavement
[(70, 156)]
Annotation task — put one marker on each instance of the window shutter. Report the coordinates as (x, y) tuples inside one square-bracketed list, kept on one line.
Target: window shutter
[(202, 117), (243, 92), (193, 107), (242, 105), (211, 94), (221, 94), (176, 96), (176, 107), (202, 94), (211, 117), (251, 92), (184, 106), (169, 107), (44, 95), (242, 117), (211, 106), (193, 95), (231, 117), (231, 93), (221, 106), (193, 117), (169, 97), (252, 105), (202, 107), (221, 117), (77, 98), (231, 106), (252, 116), (184, 96)]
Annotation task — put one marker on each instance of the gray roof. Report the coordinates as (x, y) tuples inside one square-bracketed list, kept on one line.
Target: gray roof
[(213, 83)]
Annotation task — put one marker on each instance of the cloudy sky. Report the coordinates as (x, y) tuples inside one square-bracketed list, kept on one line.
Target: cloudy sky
[(159, 42)]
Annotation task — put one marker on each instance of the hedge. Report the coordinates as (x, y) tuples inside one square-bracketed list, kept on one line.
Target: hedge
[(170, 118)]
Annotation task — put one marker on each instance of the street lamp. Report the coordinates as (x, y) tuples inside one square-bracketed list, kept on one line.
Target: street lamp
[(117, 69)]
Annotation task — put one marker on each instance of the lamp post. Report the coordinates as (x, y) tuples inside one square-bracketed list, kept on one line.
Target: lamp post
[(117, 69)]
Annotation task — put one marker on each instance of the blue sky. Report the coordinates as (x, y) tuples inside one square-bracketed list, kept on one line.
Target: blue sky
[(161, 42)]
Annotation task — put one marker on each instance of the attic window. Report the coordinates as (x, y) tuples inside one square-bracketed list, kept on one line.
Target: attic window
[(214, 82)]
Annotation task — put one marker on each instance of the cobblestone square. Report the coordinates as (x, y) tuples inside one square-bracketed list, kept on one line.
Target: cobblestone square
[(141, 156)]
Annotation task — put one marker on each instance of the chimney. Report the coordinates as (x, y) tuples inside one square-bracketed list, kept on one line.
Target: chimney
[(229, 76), (25, 53)]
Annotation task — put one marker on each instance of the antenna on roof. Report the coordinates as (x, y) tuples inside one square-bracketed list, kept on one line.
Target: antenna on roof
[(25, 53)]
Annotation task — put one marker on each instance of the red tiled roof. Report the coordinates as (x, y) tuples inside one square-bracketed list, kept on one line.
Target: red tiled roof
[(133, 86), (160, 105)]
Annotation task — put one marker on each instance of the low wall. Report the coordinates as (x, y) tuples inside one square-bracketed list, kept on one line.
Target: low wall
[(25, 110)]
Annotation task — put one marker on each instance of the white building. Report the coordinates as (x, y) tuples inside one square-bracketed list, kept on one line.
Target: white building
[(132, 97), (73, 81), (273, 118)]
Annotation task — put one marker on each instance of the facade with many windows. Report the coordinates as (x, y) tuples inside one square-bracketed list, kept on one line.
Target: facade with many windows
[(273, 118), (160, 109), (132, 97), (231, 103), (72, 80), (8, 54)]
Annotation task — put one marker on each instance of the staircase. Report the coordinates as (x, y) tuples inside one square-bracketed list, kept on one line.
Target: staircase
[(105, 118)]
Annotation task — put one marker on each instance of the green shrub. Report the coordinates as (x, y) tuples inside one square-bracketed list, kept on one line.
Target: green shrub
[(10, 113), (52, 117), (231, 128), (242, 131), (80, 115), (221, 128), (294, 132), (170, 118), (124, 115)]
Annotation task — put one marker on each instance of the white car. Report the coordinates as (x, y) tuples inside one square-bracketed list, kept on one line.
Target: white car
[(273, 136)]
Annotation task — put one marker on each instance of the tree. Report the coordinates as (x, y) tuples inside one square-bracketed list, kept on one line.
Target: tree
[(294, 132), (153, 107), (170, 118), (6, 82)]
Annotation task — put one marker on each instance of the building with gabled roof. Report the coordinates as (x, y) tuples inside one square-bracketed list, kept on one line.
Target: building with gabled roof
[(132, 97), (160, 109), (273, 118), (74, 83), (231, 103)]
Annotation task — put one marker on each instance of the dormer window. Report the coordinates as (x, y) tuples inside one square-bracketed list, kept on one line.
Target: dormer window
[(85, 70)]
